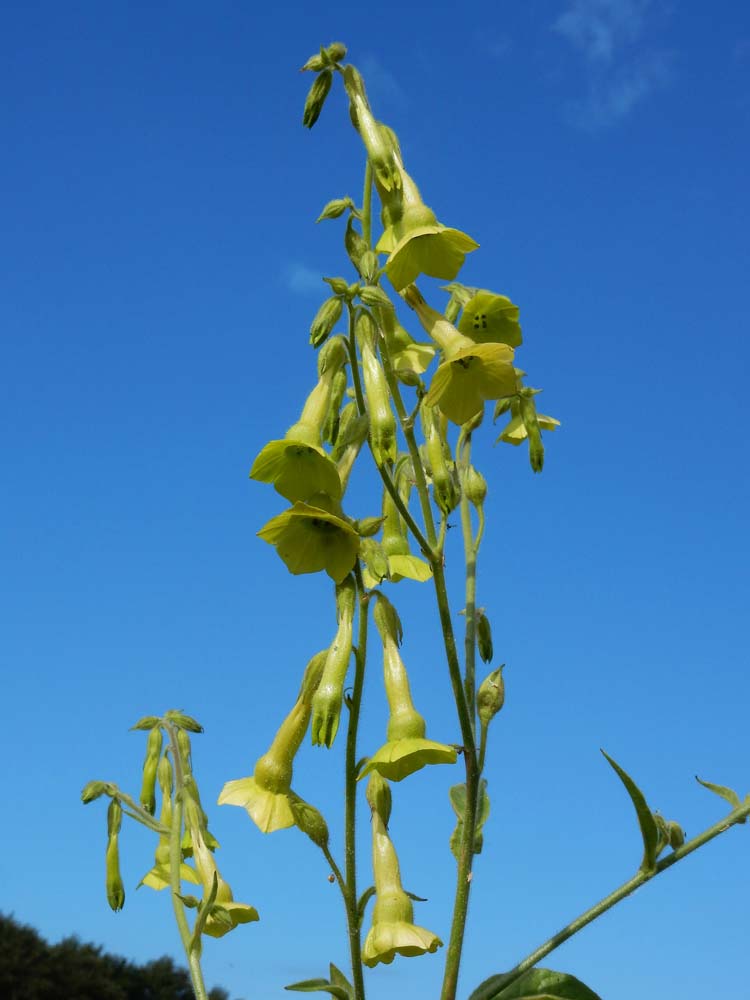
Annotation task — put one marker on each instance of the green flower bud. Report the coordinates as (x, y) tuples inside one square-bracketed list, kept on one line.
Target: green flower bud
[(114, 884), (676, 834), (315, 63), (491, 696), (373, 556), (164, 775), (326, 703), (338, 391), (316, 97), (375, 297), (93, 790), (333, 210), (382, 420), (309, 820), (475, 487), (502, 406), (336, 51), (325, 319), (354, 243), (408, 377), (379, 798), (369, 269), (178, 718), (339, 286), (445, 489), (147, 722), (153, 753), (368, 526), (484, 637), (185, 750), (531, 423)]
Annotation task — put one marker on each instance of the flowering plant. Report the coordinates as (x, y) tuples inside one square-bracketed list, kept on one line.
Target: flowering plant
[(415, 408)]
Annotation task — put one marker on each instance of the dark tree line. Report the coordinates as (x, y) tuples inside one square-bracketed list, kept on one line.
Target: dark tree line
[(31, 969)]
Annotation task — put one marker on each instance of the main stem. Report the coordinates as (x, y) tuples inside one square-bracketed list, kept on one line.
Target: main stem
[(490, 989), (350, 821)]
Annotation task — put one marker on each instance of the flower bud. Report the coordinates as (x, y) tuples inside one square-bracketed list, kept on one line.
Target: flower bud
[(475, 487), (382, 420), (92, 790), (185, 750), (325, 319), (531, 423), (147, 722), (491, 696), (356, 246), (484, 637), (369, 268), (309, 820), (676, 834), (374, 557), (114, 884), (338, 390), (336, 51), (178, 718), (378, 795), (368, 526), (153, 753), (333, 210), (374, 296), (408, 377), (339, 286), (316, 97)]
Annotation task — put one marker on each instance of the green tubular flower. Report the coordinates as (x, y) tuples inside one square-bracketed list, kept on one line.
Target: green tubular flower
[(326, 703), (490, 318), (153, 752), (298, 466), (382, 420), (401, 563), (526, 424), (407, 749), (313, 536), (393, 931), (159, 876), (114, 885), (416, 243), (377, 140), (470, 374), (267, 795), (225, 913), (406, 354)]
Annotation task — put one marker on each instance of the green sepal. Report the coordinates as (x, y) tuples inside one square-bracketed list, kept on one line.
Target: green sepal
[(334, 209), (321, 986), (728, 794), (147, 722), (366, 527), (409, 567), (457, 795), (538, 984), (364, 899), (646, 821)]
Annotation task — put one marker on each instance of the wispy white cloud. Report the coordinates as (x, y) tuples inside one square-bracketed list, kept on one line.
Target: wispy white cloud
[(301, 280), (598, 28), (380, 82), (622, 68), (612, 98)]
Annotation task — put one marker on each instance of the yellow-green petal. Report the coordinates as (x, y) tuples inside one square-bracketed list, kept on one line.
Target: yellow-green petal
[(297, 470), (268, 810), (387, 939), (490, 318), (310, 539), (160, 877), (239, 913), (408, 566), (461, 385), (433, 250), (397, 759)]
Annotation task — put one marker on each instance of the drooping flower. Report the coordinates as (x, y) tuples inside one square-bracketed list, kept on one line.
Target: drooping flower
[(491, 318), (225, 914), (470, 374), (267, 795), (313, 536), (526, 424), (159, 877), (382, 420), (407, 748), (395, 543), (297, 465), (393, 931)]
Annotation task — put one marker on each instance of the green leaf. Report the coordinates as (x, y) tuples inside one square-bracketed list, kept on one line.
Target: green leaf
[(538, 984), (338, 978), (646, 821), (457, 795), (322, 986), (726, 793)]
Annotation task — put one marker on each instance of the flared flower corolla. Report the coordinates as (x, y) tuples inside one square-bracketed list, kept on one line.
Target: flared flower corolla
[(310, 537)]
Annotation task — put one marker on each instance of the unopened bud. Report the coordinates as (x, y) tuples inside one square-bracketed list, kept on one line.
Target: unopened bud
[(484, 637), (373, 295), (378, 794), (491, 696), (184, 721), (387, 620), (356, 246), (338, 390), (316, 97), (325, 319), (502, 406), (408, 377), (333, 355), (336, 51), (93, 790), (309, 820), (153, 753), (147, 722), (114, 885), (676, 834), (339, 286), (475, 487)]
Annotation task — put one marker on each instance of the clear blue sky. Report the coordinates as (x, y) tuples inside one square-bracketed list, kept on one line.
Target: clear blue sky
[(159, 268)]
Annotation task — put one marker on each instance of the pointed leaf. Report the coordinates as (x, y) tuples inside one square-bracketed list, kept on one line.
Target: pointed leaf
[(726, 793), (321, 986), (646, 821), (538, 984), (457, 795), (338, 978)]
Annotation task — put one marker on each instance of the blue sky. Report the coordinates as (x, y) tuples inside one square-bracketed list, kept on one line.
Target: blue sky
[(159, 270)]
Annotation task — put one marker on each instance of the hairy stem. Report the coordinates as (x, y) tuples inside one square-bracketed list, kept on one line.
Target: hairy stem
[(350, 841)]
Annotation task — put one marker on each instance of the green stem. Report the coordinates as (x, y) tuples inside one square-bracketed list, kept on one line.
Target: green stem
[(470, 556), (367, 206), (175, 861), (350, 842), (489, 989), (138, 813)]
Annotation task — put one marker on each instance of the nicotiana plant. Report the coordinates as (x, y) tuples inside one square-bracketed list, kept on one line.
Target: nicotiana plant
[(414, 407)]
